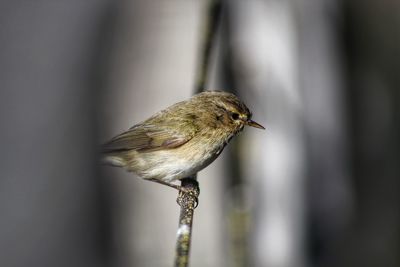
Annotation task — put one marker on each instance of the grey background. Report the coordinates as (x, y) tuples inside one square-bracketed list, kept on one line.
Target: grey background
[(319, 187)]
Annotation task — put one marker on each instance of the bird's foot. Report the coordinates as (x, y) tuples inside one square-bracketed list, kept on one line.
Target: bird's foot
[(189, 192)]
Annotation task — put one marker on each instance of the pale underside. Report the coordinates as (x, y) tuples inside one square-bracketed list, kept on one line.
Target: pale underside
[(168, 164)]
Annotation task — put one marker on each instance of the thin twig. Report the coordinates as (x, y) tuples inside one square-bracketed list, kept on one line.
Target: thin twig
[(209, 32), (189, 200)]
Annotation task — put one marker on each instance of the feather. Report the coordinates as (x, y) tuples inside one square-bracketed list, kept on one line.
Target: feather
[(147, 137)]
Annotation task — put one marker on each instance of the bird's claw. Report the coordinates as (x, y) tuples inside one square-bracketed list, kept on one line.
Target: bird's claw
[(187, 196)]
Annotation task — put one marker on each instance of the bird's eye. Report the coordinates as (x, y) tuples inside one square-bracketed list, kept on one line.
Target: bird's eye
[(235, 116)]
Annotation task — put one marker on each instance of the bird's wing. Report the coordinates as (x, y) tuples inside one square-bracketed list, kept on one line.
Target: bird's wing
[(149, 137)]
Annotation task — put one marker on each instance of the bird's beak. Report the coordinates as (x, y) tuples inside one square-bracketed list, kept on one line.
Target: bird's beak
[(254, 124)]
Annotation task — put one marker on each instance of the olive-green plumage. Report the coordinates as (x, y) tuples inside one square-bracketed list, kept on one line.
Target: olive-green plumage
[(182, 139)]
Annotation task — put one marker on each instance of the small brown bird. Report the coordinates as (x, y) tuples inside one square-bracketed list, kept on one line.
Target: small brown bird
[(180, 140)]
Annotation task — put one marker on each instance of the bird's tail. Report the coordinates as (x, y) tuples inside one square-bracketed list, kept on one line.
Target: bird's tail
[(112, 156), (113, 160)]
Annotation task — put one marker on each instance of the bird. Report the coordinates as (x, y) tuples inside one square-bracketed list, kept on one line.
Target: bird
[(181, 140)]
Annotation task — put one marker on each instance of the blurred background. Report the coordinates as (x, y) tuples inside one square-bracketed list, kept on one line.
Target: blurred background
[(319, 188)]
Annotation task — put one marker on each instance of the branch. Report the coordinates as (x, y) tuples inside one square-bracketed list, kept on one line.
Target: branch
[(209, 32), (188, 202)]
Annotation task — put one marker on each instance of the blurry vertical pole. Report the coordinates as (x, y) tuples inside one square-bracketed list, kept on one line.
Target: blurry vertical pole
[(185, 200), (264, 61), (52, 58), (207, 39), (373, 53), (329, 197)]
